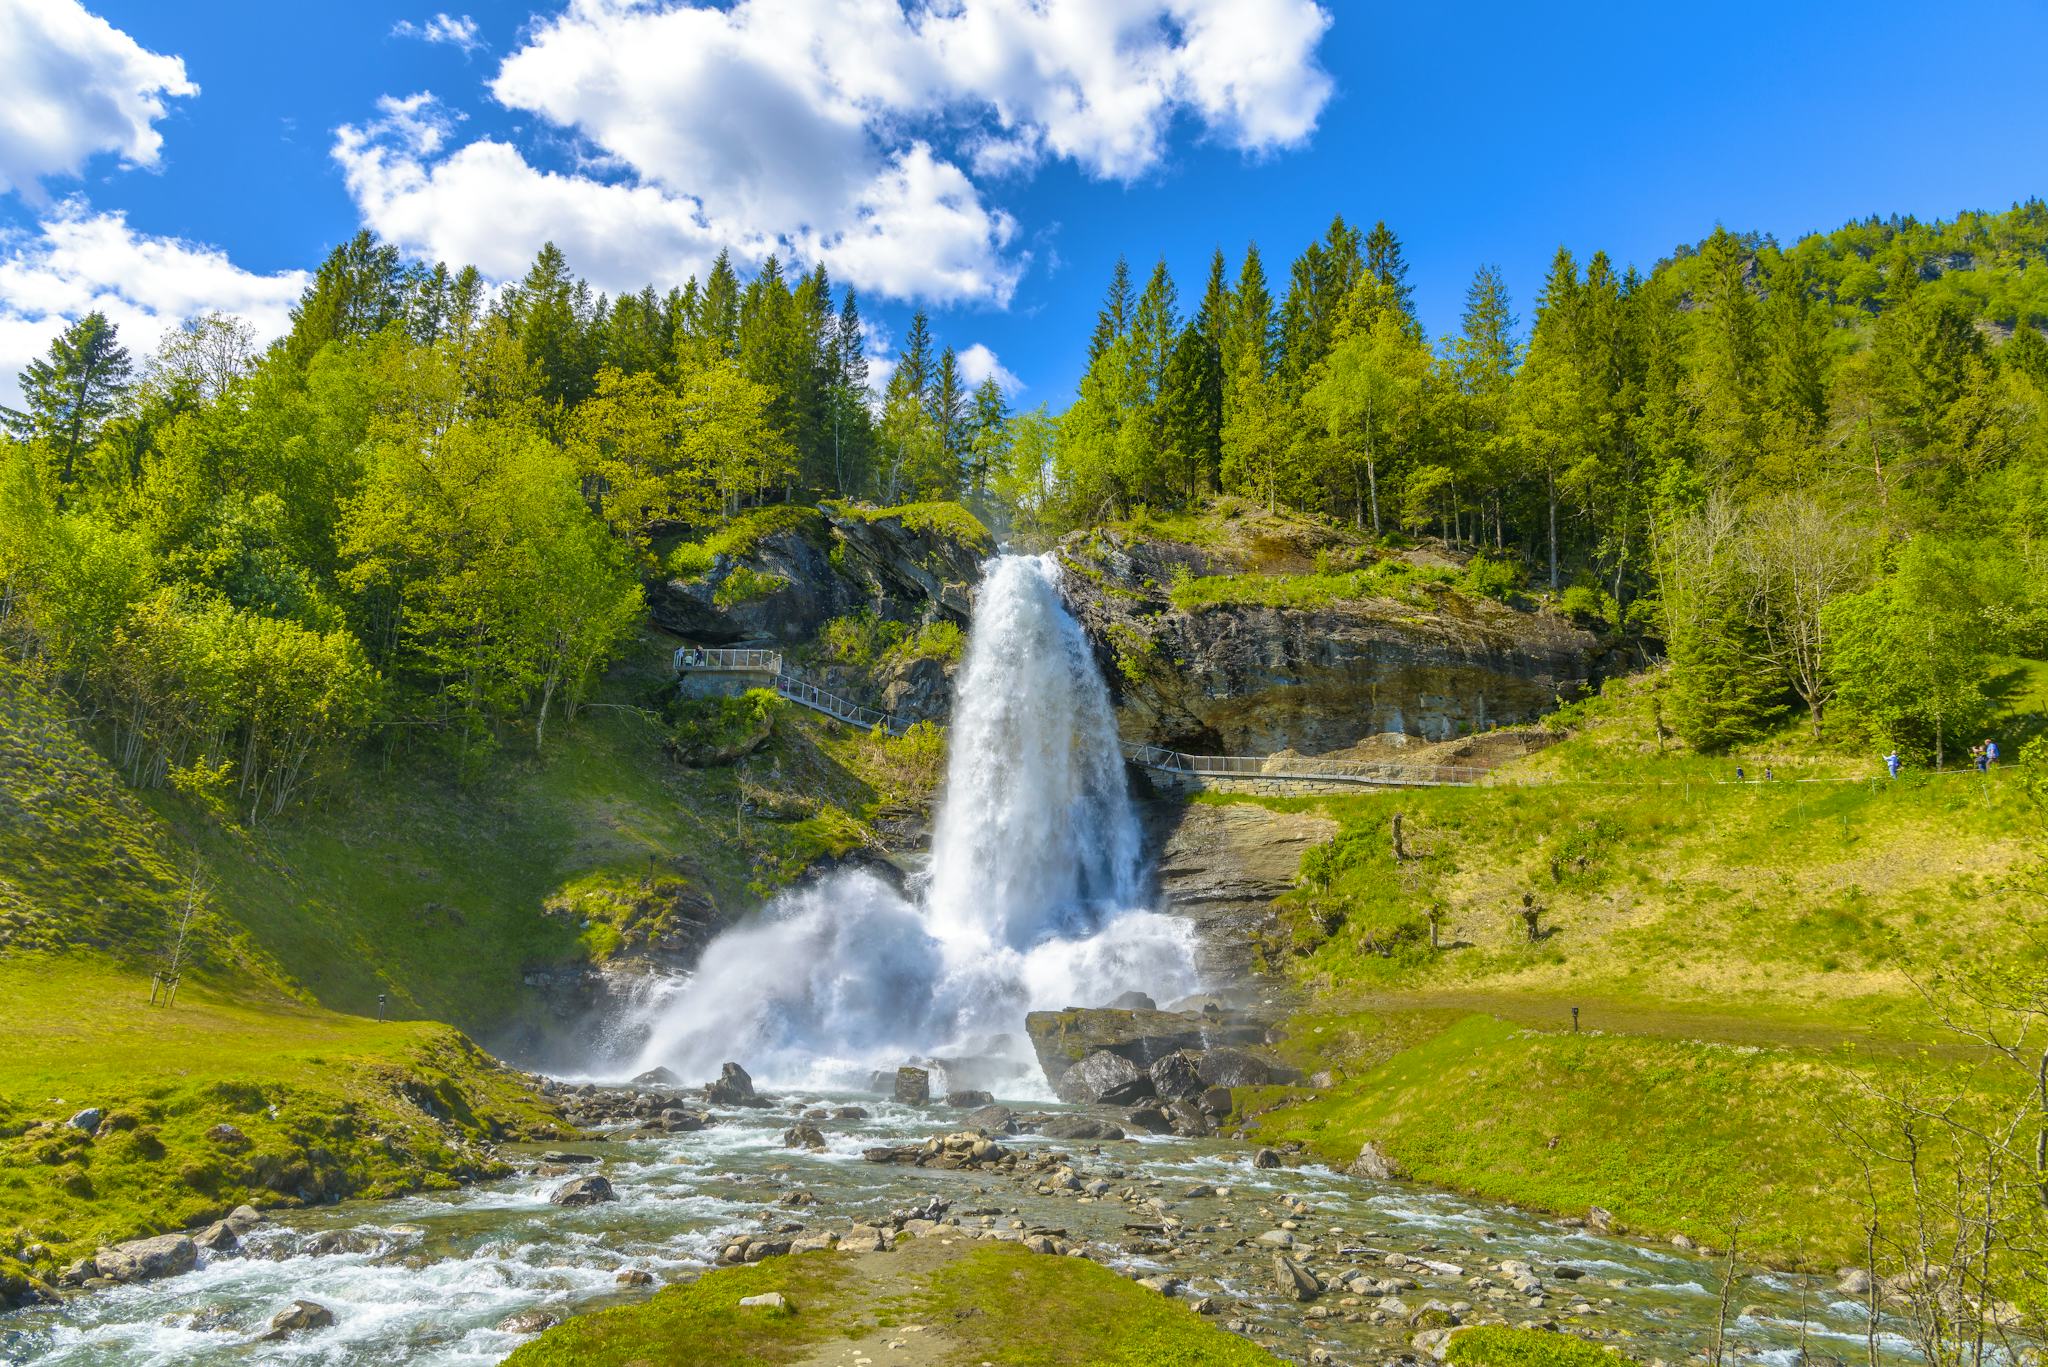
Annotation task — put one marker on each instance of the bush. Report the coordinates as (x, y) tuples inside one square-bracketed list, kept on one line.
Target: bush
[(744, 585), (1587, 605), (1498, 1346), (1486, 577)]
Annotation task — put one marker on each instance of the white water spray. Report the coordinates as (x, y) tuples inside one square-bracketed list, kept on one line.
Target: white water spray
[(1032, 900)]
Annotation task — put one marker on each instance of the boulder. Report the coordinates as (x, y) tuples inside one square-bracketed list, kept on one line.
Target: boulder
[(803, 1135), (1228, 1067), (1105, 1077), (298, 1318), (849, 1113), (1215, 1102), (1152, 1119), (527, 1322), (590, 1190), (1188, 1120), (1266, 1158), (1855, 1281), (242, 1219), (994, 1119), (767, 1300), (634, 1276), (865, 1239), (1063, 1038), (1600, 1220), (142, 1260), (967, 1099), (1175, 1076), (675, 1120), (913, 1086), (660, 1077), (1292, 1279), (218, 1237), (87, 1120), (1376, 1163), (1133, 1001), (733, 1088), (1079, 1127)]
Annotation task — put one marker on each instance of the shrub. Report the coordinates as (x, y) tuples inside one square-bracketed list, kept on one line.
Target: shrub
[(1486, 577), (1499, 1346), (744, 585), (1586, 605)]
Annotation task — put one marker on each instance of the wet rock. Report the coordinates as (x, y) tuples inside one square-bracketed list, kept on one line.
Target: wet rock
[(331, 1241), (994, 1119), (767, 1300), (207, 1319), (968, 1099), (1150, 1119), (78, 1273), (1175, 1076), (1600, 1220), (584, 1191), (527, 1322), (634, 1276), (913, 1086), (142, 1260), (1216, 1102), (1105, 1077), (299, 1317), (217, 1237), (678, 1121), (733, 1088), (1855, 1281), (1433, 1315), (1278, 1238), (849, 1113), (1565, 1272), (1165, 1286), (1266, 1158), (574, 1159), (244, 1218), (1375, 1162), (1683, 1244), (1432, 1344), (87, 1120), (1063, 1038), (1133, 1001), (656, 1077), (1292, 1279), (1188, 1120), (803, 1136), (1079, 1127)]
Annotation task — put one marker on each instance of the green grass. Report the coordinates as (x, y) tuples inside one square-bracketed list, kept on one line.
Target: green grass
[(331, 1105), (1395, 580), (935, 518), (989, 1299), (1671, 1135), (1499, 1346)]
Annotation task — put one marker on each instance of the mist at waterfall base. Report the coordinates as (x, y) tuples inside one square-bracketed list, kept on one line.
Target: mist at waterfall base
[(1033, 898)]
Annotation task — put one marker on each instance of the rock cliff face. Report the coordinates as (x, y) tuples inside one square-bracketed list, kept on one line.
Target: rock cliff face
[(1247, 679), (901, 566), (1222, 866)]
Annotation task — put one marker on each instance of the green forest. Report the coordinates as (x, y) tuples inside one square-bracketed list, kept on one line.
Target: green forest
[(1814, 475)]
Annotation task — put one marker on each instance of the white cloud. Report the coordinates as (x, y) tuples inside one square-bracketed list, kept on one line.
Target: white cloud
[(834, 130), (76, 261), (458, 31), (76, 86), (978, 363)]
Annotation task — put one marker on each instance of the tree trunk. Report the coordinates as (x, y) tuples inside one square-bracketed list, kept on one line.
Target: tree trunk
[(1550, 486), (1372, 482)]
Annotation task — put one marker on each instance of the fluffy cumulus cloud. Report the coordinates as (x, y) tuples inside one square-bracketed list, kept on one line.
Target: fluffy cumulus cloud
[(978, 363), (76, 87), (77, 260), (456, 30), (844, 131)]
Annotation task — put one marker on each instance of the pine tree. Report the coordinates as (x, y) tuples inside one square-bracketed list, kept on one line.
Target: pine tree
[(851, 418), (546, 311), (357, 292), (913, 374), (947, 404), (1113, 322), (1383, 259), (68, 395), (988, 443)]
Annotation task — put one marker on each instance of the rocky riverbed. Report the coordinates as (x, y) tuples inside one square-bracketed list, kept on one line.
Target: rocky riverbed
[(1316, 1265)]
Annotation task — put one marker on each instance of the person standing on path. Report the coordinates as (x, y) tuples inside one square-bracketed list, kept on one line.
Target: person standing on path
[(1891, 764)]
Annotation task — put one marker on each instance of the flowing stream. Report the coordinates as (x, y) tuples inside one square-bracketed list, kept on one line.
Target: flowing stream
[(1036, 896)]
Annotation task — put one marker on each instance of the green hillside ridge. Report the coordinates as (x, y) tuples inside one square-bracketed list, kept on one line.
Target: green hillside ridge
[(1746, 959)]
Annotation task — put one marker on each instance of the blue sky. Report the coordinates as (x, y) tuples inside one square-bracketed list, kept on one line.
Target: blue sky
[(990, 161)]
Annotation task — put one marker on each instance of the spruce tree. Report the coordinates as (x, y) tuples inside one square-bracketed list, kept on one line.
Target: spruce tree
[(1114, 320), (68, 395), (1383, 258)]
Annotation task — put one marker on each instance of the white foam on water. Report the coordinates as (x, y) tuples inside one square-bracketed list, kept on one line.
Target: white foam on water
[(1035, 896)]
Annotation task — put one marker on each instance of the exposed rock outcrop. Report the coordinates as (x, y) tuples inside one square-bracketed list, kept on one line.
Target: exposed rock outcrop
[(1249, 679), (1222, 866)]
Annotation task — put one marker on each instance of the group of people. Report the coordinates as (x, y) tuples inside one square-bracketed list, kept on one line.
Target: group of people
[(1982, 757)]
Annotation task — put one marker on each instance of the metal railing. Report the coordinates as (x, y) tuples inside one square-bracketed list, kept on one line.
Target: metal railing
[(706, 658), (1304, 768), (806, 694)]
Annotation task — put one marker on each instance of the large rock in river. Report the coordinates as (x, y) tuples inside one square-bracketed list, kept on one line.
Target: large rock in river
[(141, 1260)]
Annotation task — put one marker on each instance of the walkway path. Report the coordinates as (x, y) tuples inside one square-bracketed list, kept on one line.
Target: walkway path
[(1287, 768)]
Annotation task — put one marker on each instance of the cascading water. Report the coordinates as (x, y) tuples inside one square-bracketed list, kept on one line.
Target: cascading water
[(1032, 899)]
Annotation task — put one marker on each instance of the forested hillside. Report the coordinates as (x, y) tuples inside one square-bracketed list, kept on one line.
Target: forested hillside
[(1817, 473)]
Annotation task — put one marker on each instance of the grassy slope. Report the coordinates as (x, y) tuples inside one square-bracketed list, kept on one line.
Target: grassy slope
[(1743, 955), (398, 882), (978, 1302)]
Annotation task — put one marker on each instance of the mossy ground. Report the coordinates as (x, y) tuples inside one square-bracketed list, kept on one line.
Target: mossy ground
[(929, 1303), (331, 1105), (1499, 1346)]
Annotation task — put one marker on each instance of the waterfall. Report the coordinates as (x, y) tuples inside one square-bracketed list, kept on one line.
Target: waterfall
[(1033, 899)]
